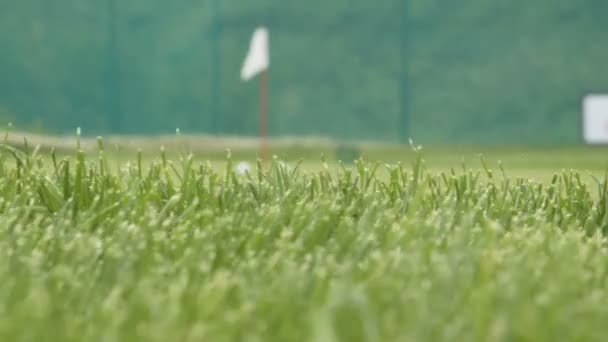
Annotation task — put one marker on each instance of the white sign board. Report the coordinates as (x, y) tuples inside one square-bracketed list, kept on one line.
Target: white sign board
[(595, 119)]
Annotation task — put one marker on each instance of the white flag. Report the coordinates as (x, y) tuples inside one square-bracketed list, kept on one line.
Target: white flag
[(258, 58)]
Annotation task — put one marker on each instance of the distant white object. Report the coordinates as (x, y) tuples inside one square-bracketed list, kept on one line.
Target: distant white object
[(595, 119), (258, 57), (243, 167)]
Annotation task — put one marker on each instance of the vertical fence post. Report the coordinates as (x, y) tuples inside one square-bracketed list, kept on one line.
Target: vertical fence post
[(404, 124), (113, 77), (216, 66)]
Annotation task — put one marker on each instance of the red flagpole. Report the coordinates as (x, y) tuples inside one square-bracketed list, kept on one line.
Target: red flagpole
[(264, 115)]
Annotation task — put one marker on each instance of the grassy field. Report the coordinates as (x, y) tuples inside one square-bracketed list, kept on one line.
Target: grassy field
[(538, 163), (125, 246)]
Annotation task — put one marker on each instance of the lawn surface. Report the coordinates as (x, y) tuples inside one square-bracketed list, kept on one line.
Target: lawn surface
[(170, 247)]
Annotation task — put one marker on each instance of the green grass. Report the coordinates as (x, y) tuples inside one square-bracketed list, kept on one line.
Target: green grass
[(174, 249)]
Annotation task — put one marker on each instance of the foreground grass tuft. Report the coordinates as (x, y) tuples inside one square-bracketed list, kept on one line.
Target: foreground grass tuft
[(94, 251)]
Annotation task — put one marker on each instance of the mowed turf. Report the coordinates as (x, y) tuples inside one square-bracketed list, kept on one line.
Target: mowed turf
[(142, 247)]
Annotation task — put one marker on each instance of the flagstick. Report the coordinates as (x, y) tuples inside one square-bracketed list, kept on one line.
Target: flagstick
[(264, 114)]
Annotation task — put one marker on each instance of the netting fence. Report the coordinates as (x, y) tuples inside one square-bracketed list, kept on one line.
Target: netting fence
[(438, 71)]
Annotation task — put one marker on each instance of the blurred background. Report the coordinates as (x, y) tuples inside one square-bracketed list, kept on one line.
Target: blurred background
[(439, 71)]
